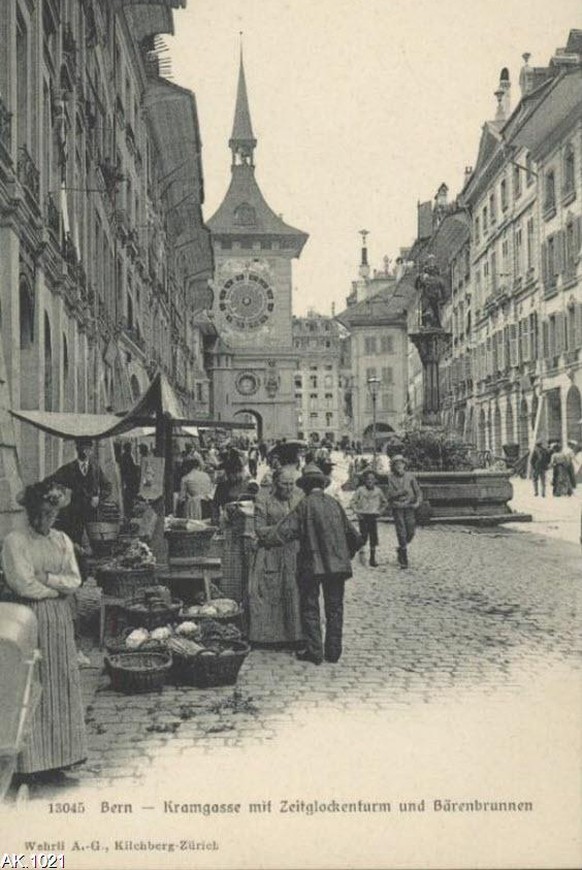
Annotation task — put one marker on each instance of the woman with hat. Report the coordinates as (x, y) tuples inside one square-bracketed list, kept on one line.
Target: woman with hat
[(327, 543), (41, 571), (404, 494)]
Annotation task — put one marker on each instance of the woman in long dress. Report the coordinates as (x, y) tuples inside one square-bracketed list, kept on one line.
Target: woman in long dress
[(40, 570), (273, 592)]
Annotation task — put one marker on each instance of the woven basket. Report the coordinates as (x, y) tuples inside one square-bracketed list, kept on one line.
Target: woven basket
[(136, 672), (210, 668), (182, 543), (151, 617), (124, 582)]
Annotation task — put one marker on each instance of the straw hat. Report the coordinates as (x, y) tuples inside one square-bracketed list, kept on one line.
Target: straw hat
[(399, 458)]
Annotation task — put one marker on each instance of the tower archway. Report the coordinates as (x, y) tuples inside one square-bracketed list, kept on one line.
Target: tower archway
[(254, 419)]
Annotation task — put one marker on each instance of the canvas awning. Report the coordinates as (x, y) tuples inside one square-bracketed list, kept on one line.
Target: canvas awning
[(158, 400)]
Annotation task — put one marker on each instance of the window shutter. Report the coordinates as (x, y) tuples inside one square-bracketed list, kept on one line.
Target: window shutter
[(546, 339), (577, 237), (513, 353), (560, 252), (544, 258), (559, 332), (578, 331)]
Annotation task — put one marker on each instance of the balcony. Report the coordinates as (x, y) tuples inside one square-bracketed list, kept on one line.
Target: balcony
[(28, 174), (5, 130)]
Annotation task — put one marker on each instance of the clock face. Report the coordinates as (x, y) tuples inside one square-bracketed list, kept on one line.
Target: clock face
[(247, 300)]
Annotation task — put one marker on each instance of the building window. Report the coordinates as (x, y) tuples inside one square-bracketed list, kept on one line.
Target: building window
[(298, 382), (477, 230), (387, 344), (530, 243), (313, 382), (518, 251), (529, 173), (569, 171), (550, 192), (516, 182), (387, 375), (387, 402), (328, 381), (503, 193), (572, 245), (492, 209), (485, 221), (370, 344), (371, 373), (329, 400), (551, 261)]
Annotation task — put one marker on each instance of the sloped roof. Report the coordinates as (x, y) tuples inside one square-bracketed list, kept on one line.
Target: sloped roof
[(388, 304), (257, 218)]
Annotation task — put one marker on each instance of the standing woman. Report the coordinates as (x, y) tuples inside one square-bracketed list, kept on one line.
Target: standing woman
[(273, 592), (41, 571), (235, 526)]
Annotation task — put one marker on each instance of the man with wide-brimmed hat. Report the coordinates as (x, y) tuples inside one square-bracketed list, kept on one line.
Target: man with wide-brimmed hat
[(327, 543), (404, 494)]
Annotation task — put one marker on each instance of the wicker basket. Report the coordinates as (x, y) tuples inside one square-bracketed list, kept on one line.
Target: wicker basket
[(210, 668), (151, 617), (136, 672), (182, 543), (124, 582), (116, 645)]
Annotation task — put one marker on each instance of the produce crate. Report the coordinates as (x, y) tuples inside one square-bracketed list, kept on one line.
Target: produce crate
[(137, 672), (124, 582), (183, 543), (211, 668)]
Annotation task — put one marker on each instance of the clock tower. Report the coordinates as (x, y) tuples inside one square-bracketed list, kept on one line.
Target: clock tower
[(253, 253)]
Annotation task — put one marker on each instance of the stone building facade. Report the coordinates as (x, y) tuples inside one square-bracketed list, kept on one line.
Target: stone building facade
[(318, 343), (512, 374), (254, 361), (103, 254), (377, 347)]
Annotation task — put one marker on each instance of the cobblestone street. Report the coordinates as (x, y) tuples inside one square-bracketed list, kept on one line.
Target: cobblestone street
[(479, 613)]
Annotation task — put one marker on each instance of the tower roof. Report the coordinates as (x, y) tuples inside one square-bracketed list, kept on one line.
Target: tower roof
[(242, 128), (245, 212)]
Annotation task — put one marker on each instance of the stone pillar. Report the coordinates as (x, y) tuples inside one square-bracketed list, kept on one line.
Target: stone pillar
[(431, 343)]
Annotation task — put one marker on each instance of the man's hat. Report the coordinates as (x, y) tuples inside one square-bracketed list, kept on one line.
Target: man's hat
[(311, 472), (399, 458)]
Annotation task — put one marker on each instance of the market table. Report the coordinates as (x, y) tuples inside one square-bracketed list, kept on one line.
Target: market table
[(183, 573)]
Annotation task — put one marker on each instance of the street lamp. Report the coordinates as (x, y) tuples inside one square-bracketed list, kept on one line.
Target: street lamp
[(373, 387)]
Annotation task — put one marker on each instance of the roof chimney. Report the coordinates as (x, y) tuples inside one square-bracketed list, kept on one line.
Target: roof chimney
[(526, 75), (364, 267), (500, 113), (505, 86), (333, 309)]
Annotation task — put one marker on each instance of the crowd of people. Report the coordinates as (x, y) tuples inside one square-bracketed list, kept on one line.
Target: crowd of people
[(288, 540)]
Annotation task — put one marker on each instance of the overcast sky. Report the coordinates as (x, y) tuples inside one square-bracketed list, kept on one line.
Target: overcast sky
[(360, 107)]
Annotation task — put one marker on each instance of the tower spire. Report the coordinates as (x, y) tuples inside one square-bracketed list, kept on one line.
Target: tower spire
[(242, 142)]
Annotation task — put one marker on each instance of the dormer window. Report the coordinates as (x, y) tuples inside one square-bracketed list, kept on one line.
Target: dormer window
[(245, 215)]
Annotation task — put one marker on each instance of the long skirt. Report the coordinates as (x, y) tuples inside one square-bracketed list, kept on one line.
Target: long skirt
[(57, 738), (274, 596)]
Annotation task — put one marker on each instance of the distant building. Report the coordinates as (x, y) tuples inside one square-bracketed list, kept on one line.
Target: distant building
[(318, 341), (377, 348)]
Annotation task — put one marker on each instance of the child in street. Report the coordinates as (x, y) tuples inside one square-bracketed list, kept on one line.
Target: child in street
[(405, 496), (369, 502)]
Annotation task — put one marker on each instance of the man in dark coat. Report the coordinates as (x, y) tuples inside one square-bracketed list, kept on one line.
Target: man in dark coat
[(327, 543), (540, 462), (88, 486)]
